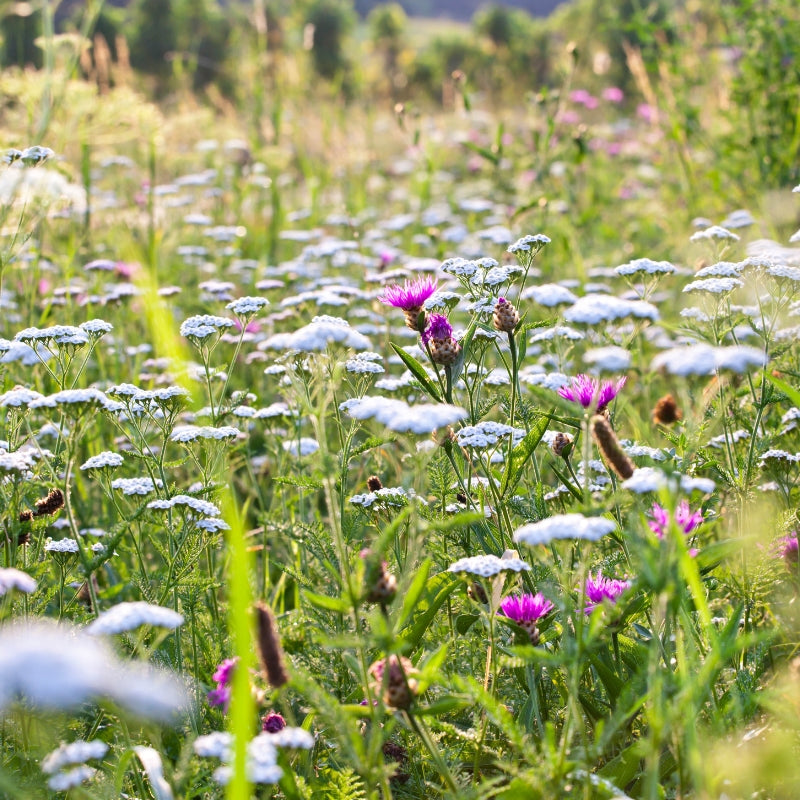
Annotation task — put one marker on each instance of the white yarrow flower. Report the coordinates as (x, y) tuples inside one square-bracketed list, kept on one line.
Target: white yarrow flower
[(12, 578), (564, 526), (128, 616), (401, 417), (104, 460), (78, 752), (488, 565), (591, 309)]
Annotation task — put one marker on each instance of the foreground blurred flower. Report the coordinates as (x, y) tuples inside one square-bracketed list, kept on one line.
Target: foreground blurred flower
[(410, 297), (788, 549), (590, 392), (564, 526), (60, 667), (686, 519), (526, 610), (600, 588), (393, 678), (221, 696), (128, 616)]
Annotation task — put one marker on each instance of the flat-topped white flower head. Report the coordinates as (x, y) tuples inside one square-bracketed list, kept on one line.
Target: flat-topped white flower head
[(488, 565), (401, 417), (12, 578), (564, 526), (703, 359), (129, 616), (316, 336), (592, 309), (77, 752)]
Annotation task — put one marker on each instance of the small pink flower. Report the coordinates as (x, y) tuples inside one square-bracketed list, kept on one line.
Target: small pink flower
[(590, 392), (613, 94), (601, 588)]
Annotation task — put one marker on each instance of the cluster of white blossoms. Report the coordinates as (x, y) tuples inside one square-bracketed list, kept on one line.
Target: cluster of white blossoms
[(564, 526), (186, 501), (401, 417), (192, 433), (486, 566), (128, 616), (317, 336)]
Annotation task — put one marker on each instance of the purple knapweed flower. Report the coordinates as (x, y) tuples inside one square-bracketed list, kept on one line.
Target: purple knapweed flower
[(526, 607), (439, 327), (590, 392), (272, 722), (686, 519), (613, 94), (411, 295), (600, 588), (221, 696), (788, 549)]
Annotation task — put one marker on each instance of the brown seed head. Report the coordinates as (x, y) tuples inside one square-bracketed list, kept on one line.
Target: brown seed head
[(666, 411), (273, 661), (374, 483), (47, 506), (561, 442), (444, 351), (610, 447)]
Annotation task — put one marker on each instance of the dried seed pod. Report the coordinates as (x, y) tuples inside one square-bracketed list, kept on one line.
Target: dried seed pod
[(610, 447), (273, 661)]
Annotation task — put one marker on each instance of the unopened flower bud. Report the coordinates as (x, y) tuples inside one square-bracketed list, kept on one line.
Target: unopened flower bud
[(505, 317), (610, 447), (394, 678), (666, 411), (374, 483), (562, 445)]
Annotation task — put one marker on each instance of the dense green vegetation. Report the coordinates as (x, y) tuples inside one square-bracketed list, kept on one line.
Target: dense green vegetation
[(409, 416)]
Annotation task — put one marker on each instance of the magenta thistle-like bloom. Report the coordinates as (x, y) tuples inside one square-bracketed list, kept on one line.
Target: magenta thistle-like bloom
[(590, 392), (439, 327), (789, 549), (601, 588), (220, 697), (224, 671), (686, 519), (411, 295), (526, 607), (272, 722)]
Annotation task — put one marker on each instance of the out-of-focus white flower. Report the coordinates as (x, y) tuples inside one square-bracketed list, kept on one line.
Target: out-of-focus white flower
[(12, 578), (78, 752), (592, 309), (401, 417), (703, 359), (154, 769), (128, 616), (59, 667), (549, 295), (645, 266), (64, 781), (316, 336), (564, 526)]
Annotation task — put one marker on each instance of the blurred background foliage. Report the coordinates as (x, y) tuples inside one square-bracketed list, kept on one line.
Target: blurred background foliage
[(709, 70)]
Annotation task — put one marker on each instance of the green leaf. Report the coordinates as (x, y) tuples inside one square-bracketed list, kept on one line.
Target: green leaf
[(418, 371), (302, 483), (713, 555), (465, 621), (437, 590), (521, 453), (414, 591), (466, 342), (370, 444), (792, 393), (337, 604), (444, 705)]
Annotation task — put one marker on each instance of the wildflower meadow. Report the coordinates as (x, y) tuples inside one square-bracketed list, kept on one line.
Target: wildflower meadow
[(362, 443)]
